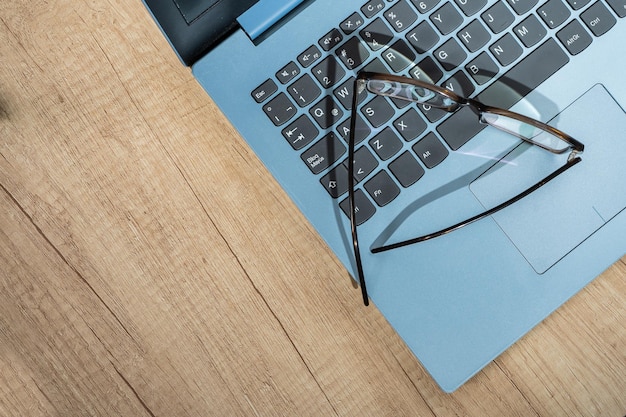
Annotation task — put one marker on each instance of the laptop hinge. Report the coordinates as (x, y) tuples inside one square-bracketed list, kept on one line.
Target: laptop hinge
[(264, 14)]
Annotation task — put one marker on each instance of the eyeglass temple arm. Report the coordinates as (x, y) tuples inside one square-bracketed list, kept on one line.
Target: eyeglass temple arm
[(358, 87), (570, 163)]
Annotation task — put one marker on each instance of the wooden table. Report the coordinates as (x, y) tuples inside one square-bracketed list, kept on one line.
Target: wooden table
[(150, 265)]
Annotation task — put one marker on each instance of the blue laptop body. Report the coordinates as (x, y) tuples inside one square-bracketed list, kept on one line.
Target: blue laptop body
[(282, 71)]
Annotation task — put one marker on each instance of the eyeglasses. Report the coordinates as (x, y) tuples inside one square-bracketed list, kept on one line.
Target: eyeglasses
[(403, 88)]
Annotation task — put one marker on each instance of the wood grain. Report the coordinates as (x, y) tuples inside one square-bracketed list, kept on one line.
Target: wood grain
[(150, 266)]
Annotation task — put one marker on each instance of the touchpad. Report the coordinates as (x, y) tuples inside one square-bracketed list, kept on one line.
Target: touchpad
[(549, 223)]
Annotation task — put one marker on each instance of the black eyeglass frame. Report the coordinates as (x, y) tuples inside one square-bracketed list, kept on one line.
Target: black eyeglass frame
[(456, 102)]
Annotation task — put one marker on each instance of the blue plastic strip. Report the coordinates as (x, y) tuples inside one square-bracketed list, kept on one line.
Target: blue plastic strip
[(264, 14)]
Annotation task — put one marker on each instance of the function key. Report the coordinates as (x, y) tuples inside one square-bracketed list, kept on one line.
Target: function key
[(262, 92), (554, 13), (382, 188), (425, 6), (598, 19), (522, 6), (331, 39), (308, 57), (352, 23), (618, 6), (372, 7), (288, 72)]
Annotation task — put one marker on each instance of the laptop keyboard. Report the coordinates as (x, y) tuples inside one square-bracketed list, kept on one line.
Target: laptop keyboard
[(464, 45)]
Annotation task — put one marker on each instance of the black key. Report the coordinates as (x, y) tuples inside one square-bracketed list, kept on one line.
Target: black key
[(386, 144), (426, 70), (410, 125), (376, 65), (328, 72), (406, 169), (330, 40), (378, 111), (399, 56), (264, 91), (300, 133), (401, 16), (363, 207), (474, 36), (304, 90), (336, 181), (430, 150), (372, 7), (423, 37), (280, 109), (450, 55), (343, 93), (530, 31), (433, 114), (324, 153), (377, 34), (308, 57), (382, 188), (288, 72), (458, 129), (362, 130), (326, 112), (424, 6), (352, 23), (446, 19), (364, 163), (618, 6), (554, 13), (598, 19), (506, 50), (469, 7), (574, 37), (460, 84), (578, 4), (353, 53), (482, 68), (527, 75), (522, 6), (498, 17)]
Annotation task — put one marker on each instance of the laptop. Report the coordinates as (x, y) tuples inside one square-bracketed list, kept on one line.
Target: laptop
[(282, 72)]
